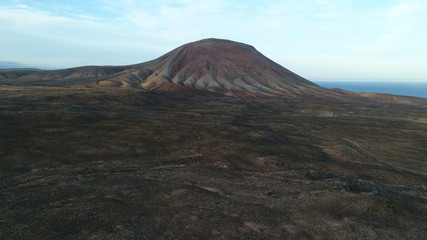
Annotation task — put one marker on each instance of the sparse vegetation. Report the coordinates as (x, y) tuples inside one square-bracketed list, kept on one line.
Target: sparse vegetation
[(129, 164)]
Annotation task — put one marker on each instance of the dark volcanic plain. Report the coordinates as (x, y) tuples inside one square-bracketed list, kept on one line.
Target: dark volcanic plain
[(106, 162)]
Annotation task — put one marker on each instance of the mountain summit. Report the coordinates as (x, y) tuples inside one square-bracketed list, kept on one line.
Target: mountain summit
[(216, 66), (209, 67), (205, 67)]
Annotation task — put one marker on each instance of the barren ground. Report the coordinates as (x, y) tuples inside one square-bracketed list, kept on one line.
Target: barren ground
[(128, 164)]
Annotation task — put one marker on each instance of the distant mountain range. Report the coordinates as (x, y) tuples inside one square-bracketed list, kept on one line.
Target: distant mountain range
[(7, 65)]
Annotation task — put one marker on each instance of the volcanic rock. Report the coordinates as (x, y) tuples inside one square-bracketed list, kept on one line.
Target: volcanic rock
[(210, 66), (220, 66)]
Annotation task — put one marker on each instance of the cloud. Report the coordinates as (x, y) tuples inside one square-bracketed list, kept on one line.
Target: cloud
[(131, 31), (403, 24), (181, 20), (405, 9), (43, 23), (395, 33), (41, 37), (327, 9)]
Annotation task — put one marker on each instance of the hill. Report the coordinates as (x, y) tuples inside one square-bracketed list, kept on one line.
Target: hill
[(210, 141)]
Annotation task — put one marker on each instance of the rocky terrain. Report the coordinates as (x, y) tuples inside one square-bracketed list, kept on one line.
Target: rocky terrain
[(209, 67), (123, 153)]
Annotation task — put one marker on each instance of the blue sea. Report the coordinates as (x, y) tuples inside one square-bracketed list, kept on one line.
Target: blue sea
[(415, 89)]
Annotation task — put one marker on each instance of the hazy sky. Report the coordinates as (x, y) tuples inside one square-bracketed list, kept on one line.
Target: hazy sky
[(317, 39)]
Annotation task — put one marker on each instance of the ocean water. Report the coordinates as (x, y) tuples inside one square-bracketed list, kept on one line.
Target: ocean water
[(415, 89)]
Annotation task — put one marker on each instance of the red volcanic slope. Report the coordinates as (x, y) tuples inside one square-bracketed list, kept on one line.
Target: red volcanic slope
[(207, 67), (219, 66)]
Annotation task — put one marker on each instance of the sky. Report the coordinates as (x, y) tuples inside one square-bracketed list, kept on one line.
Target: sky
[(317, 39)]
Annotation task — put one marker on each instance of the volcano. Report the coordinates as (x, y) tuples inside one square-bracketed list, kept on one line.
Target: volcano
[(217, 66), (210, 141), (207, 67)]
